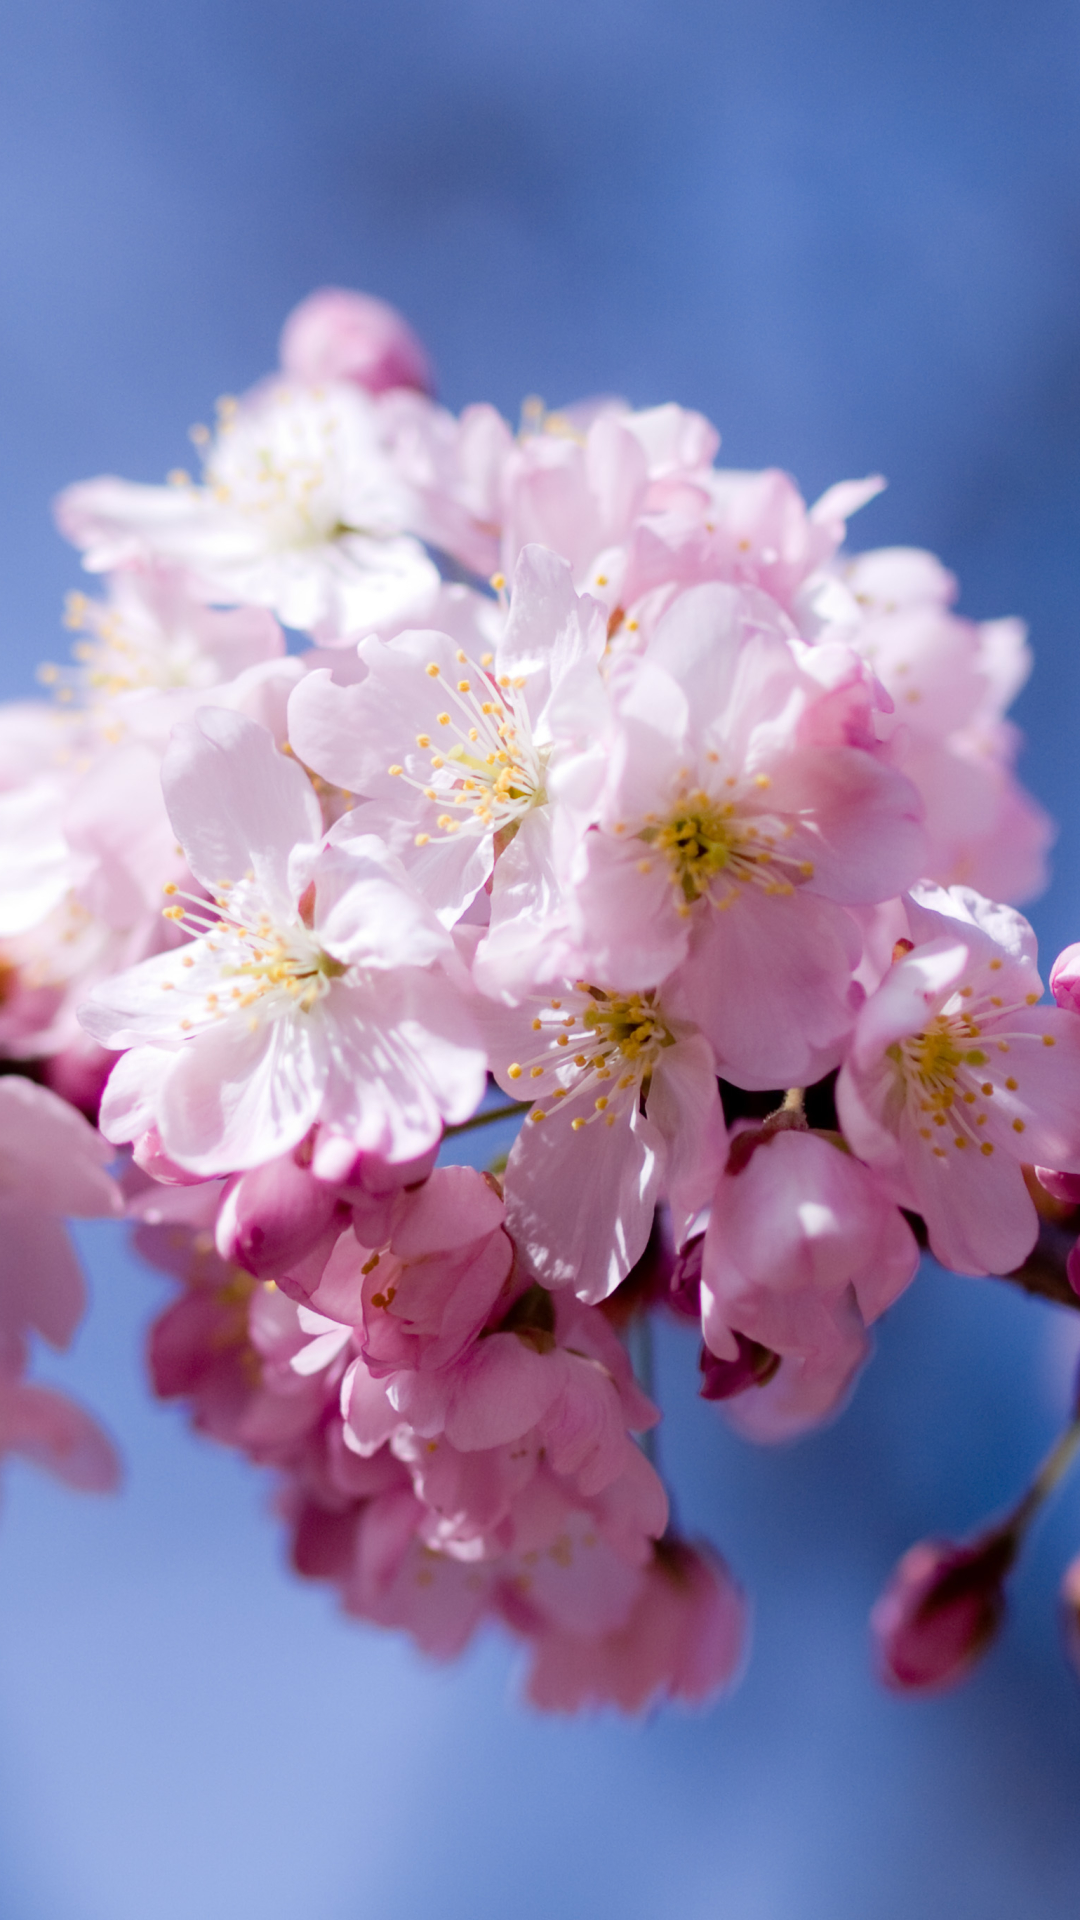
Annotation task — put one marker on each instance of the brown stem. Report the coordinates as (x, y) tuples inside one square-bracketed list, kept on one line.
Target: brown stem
[(1044, 1271)]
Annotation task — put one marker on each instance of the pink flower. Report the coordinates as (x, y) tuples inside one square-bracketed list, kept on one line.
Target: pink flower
[(578, 482), (455, 753), (299, 510), (956, 1076), (733, 830), (941, 1610), (314, 990), (625, 1110), (802, 1253), (338, 335), (685, 1639), (952, 681)]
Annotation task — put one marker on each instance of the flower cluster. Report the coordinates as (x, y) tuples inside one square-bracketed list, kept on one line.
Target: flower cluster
[(604, 777)]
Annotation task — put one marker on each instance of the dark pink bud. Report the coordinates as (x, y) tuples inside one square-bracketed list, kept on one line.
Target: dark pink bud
[(686, 1279), (338, 335), (941, 1610), (276, 1217), (1065, 978), (1064, 1187), (754, 1366)]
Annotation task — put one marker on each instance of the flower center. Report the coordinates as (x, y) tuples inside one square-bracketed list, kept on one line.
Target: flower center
[(284, 466), (253, 957), (599, 1044), (485, 768), (714, 848)]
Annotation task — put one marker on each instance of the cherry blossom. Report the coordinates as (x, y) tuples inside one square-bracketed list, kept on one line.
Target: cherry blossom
[(299, 510), (802, 1253), (312, 990), (457, 753), (625, 1110), (729, 840), (956, 1075), (598, 795)]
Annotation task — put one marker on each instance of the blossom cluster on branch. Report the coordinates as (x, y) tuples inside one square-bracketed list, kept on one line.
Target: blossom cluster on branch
[(604, 777)]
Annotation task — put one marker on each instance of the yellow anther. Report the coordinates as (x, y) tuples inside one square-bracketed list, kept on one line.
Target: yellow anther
[(498, 581), (423, 739), (433, 670), (395, 769), (601, 1103), (1018, 1126), (535, 1072), (986, 1148), (463, 686), (443, 719), (1012, 1084), (422, 839), (513, 1072), (1048, 1040)]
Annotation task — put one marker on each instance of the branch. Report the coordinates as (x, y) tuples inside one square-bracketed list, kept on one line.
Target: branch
[(1043, 1272)]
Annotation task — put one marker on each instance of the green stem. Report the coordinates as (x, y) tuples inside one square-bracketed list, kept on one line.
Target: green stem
[(1053, 1470), (487, 1118)]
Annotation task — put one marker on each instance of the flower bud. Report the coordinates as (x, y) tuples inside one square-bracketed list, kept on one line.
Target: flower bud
[(941, 1610), (275, 1216), (338, 335), (1065, 978), (1063, 1187), (723, 1379)]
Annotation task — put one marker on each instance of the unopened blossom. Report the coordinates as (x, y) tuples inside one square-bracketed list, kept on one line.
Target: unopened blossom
[(802, 1253), (956, 1077), (733, 829), (456, 750), (336, 334), (312, 989), (625, 1110), (298, 510), (941, 1610)]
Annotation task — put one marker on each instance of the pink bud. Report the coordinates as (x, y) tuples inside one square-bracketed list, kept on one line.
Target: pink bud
[(1060, 1186), (941, 1610), (1065, 978), (338, 335), (277, 1216)]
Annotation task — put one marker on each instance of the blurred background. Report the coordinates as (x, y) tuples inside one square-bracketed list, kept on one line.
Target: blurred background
[(850, 233)]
